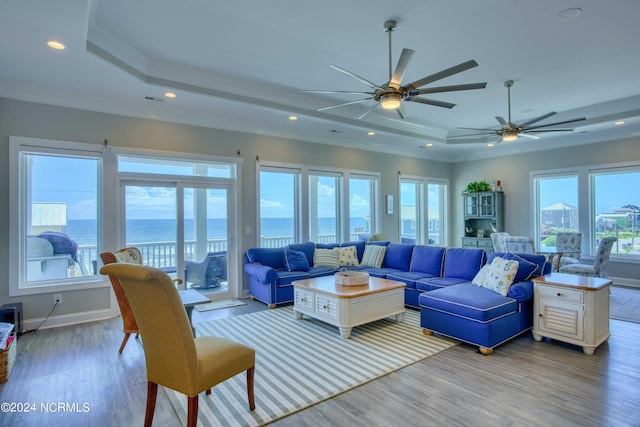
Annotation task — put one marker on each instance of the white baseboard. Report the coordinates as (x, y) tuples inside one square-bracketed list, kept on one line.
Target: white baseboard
[(626, 281), (67, 319)]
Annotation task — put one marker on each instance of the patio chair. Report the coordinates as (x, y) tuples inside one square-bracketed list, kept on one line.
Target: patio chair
[(599, 266), (208, 273), (174, 358)]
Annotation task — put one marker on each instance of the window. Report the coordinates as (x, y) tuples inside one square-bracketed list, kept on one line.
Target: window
[(616, 208), (301, 203), (421, 222), (324, 202), (56, 222), (557, 201), (362, 212), (278, 207), (597, 201)]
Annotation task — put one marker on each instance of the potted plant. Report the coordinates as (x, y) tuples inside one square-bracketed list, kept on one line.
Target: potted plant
[(477, 187)]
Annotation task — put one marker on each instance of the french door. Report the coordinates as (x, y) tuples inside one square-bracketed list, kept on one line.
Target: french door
[(185, 229)]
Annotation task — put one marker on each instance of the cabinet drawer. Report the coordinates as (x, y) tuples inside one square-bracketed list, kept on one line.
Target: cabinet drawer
[(326, 306), (469, 241), (561, 294), (485, 243), (304, 299)]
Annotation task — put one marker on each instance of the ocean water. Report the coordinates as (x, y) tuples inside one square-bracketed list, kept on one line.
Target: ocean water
[(163, 230)]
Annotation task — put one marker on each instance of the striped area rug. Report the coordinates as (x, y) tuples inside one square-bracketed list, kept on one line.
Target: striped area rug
[(302, 362)]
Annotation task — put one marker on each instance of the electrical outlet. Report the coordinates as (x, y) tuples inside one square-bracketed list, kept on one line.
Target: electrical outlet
[(57, 298)]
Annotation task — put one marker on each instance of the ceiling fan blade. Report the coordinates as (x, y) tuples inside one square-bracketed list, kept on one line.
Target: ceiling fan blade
[(486, 129), (460, 141), (537, 119), (449, 88), (337, 91), (370, 109), (344, 104), (441, 75), (471, 134), (402, 113), (355, 76), (502, 122), (557, 123), (430, 102), (530, 130), (401, 68), (526, 135)]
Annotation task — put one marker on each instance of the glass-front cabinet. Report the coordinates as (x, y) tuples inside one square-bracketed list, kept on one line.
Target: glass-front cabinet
[(483, 212)]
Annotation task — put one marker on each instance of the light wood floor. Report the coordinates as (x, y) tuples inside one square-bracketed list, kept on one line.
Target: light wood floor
[(524, 383)]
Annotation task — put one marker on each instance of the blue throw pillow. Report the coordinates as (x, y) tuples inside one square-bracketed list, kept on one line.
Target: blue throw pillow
[(295, 260)]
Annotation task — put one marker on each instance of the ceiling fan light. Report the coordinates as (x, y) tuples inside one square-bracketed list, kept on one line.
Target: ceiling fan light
[(391, 101), (509, 137)]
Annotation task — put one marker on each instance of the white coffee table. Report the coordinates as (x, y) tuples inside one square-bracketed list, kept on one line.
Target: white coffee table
[(348, 306)]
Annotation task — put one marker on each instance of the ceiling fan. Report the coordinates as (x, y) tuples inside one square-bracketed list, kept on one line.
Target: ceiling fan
[(510, 131), (392, 94)]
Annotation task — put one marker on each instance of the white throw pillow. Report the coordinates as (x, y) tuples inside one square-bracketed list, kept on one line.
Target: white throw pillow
[(347, 255), (325, 258), (373, 256), (479, 278), (500, 275)]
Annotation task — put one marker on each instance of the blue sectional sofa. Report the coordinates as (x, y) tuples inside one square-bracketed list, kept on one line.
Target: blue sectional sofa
[(481, 316), (421, 268)]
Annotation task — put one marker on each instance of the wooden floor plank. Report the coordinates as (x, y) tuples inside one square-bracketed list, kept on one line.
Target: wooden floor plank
[(523, 383)]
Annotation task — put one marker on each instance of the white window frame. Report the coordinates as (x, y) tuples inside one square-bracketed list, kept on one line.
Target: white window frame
[(17, 224), (423, 209)]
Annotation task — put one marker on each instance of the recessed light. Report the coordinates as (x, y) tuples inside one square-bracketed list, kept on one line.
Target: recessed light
[(568, 14), (619, 122), (371, 133), (56, 45), (490, 144), (170, 94), (429, 145), (293, 118)]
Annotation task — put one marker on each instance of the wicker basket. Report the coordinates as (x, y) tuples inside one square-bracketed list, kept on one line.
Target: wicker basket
[(7, 359), (352, 278)]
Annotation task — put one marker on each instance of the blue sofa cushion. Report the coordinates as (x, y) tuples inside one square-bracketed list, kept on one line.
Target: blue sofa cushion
[(307, 248), (526, 268), (398, 256), (427, 259), (295, 260), (463, 263), (469, 301), (327, 245), (359, 248), (266, 256), (408, 277), (431, 283), (286, 277)]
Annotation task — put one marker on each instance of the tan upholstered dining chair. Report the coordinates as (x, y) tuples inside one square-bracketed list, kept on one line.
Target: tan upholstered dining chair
[(130, 256), (174, 358)]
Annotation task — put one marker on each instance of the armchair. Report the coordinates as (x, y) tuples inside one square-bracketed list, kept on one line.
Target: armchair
[(599, 267), (570, 245), (208, 273), (520, 244), (499, 241)]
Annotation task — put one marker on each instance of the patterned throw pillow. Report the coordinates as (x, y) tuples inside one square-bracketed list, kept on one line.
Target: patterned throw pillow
[(500, 275), (373, 256), (481, 275), (347, 255), (325, 258)]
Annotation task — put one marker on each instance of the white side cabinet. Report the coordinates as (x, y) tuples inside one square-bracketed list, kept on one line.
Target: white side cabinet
[(572, 309)]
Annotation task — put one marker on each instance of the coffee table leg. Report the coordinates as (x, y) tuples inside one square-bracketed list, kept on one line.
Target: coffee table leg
[(400, 317), (297, 315), (345, 333)]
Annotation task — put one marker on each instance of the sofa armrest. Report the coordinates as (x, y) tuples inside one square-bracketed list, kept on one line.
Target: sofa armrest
[(522, 291), (262, 273)]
